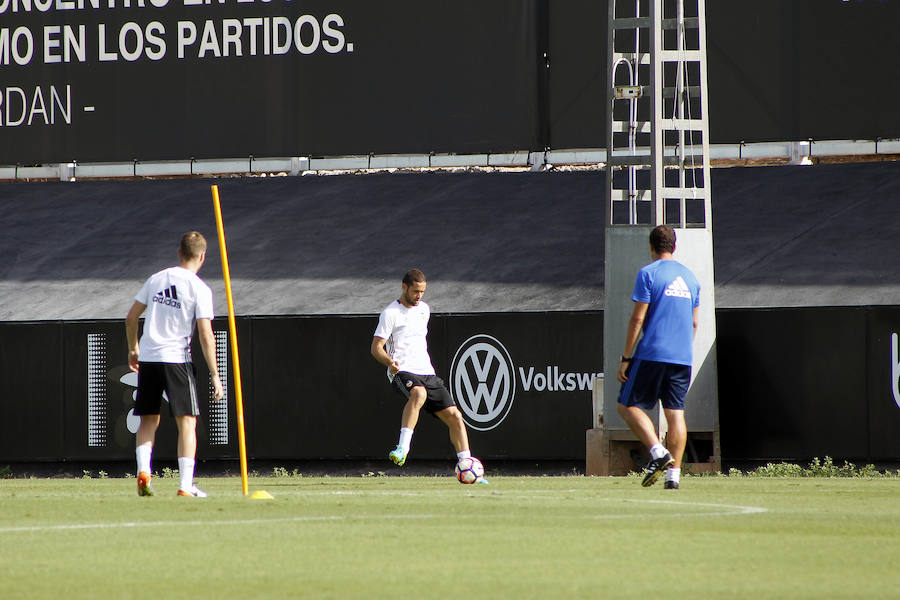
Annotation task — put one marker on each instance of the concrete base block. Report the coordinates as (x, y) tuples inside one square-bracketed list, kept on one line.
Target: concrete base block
[(618, 452), (611, 452)]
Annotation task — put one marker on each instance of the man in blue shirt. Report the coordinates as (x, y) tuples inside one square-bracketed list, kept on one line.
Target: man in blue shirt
[(658, 367)]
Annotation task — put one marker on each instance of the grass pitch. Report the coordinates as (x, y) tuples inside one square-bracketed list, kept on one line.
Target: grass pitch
[(429, 537)]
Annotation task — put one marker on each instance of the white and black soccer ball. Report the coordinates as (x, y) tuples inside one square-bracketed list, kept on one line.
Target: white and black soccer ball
[(469, 470)]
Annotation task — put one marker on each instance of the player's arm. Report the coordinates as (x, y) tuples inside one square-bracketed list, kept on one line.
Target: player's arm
[(131, 332), (381, 355), (208, 344), (632, 334)]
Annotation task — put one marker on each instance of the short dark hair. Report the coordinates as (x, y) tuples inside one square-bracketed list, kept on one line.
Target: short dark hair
[(662, 239), (413, 276), (193, 244)]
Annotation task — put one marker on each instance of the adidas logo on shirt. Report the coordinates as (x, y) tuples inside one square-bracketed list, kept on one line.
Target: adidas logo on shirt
[(678, 289), (168, 297)]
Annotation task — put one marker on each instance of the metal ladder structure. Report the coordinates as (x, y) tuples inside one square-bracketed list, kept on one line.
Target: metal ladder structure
[(657, 115), (657, 172)]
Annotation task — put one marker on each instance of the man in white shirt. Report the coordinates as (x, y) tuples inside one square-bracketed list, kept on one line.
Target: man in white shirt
[(400, 344), (175, 300)]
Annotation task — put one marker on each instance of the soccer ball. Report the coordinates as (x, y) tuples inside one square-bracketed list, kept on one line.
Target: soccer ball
[(469, 470)]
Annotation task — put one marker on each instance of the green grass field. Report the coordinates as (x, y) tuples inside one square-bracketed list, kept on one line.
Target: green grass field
[(429, 537)]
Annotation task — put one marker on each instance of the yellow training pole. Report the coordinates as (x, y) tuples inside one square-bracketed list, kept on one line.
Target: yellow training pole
[(242, 443)]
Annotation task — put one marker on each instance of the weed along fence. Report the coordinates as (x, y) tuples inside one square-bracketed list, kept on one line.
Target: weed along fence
[(794, 384)]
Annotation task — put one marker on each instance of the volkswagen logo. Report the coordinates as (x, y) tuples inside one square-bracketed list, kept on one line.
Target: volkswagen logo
[(483, 381)]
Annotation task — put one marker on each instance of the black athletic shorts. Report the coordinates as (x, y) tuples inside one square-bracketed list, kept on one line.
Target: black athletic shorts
[(437, 398), (177, 380)]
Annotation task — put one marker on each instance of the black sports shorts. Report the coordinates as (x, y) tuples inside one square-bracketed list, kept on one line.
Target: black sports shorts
[(437, 398), (177, 380)]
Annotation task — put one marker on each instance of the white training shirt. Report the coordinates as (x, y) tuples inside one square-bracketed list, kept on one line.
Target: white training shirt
[(175, 299), (405, 330)]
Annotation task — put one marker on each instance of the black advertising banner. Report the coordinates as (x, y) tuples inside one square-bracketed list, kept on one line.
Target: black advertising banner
[(820, 69), (778, 70), (31, 392), (317, 392), (577, 48), (523, 381), (883, 358), (792, 383), (121, 80), (311, 389), (96, 399)]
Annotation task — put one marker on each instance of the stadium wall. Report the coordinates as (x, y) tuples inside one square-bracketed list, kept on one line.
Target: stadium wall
[(195, 80), (794, 384)]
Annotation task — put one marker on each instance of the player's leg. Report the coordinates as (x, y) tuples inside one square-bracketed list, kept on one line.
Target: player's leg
[(413, 406), (459, 436), (187, 436), (441, 404), (676, 437), (639, 394), (637, 391), (144, 438), (187, 451), (146, 406), (408, 420), (672, 397), (409, 387), (639, 423), (185, 407)]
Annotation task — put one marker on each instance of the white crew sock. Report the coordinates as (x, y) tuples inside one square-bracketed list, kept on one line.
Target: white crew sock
[(673, 474), (186, 471), (657, 451), (405, 438), (143, 453), (463, 454)]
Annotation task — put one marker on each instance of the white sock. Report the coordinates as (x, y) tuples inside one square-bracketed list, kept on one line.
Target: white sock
[(673, 474), (405, 438), (657, 451), (186, 471), (143, 453), (463, 454)]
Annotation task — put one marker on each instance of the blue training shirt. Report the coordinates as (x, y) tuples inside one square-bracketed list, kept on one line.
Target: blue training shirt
[(672, 292)]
